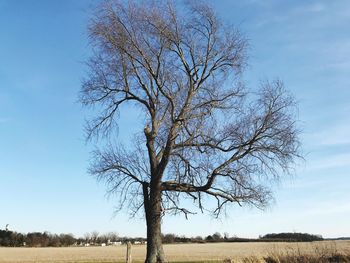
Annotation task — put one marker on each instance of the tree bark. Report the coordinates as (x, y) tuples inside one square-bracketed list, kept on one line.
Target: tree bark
[(152, 204)]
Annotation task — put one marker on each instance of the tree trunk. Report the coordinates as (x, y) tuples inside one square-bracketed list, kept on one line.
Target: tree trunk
[(152, 204)]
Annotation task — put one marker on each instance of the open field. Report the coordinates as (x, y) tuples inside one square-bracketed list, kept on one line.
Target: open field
[(174, 252)]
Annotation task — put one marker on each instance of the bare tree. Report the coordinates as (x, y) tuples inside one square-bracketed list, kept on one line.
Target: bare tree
[(94, 237), (205, 136)]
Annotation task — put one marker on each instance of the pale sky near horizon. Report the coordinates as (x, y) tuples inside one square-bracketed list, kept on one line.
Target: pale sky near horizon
[(44, 157)]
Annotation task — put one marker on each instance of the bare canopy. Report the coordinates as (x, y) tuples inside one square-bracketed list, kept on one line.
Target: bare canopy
[(204, 134)]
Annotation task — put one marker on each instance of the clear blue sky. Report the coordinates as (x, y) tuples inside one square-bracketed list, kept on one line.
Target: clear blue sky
[(44, 158)]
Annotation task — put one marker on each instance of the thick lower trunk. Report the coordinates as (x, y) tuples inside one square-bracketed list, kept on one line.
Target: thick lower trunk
[(155, 253)]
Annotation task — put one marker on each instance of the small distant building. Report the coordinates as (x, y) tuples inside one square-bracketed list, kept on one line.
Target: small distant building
[(115, 243)]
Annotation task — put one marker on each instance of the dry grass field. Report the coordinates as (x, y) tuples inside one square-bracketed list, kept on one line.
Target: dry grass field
[(237, 252)]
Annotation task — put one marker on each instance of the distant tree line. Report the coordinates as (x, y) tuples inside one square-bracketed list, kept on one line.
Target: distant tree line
[(46, 239), (217, 237), (292, 237)]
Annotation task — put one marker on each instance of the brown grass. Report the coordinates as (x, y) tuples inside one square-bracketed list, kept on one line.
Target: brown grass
[(227, 252)]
